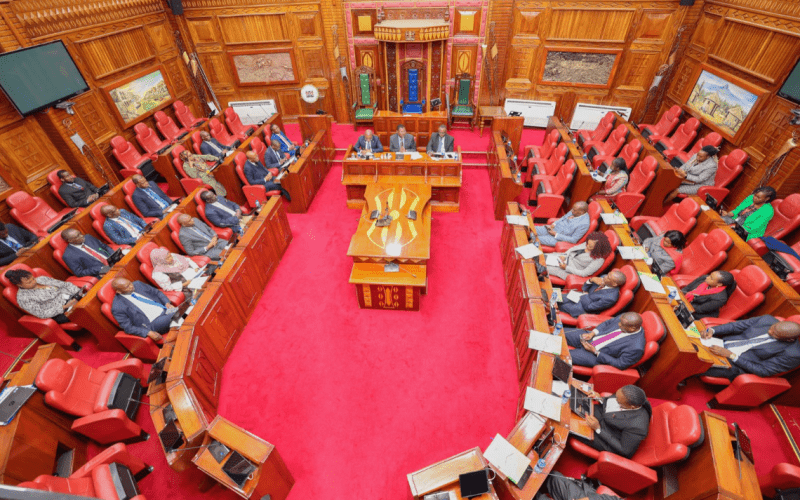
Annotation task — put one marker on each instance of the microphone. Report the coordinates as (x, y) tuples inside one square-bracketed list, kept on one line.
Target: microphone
[(144, 403)]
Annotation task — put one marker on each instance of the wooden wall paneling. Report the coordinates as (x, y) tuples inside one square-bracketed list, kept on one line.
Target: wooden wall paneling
[(499, 14), (465, 57), (107, 54), (581, 21), (30, 154), (289, 103), (467, 20), (241, 29), (307, 25)]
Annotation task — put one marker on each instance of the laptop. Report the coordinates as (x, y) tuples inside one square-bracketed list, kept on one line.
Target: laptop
[(561, 370), (238, 468), (13, 401), (171, 438), (683, 314), (580, 402), (474, 484)]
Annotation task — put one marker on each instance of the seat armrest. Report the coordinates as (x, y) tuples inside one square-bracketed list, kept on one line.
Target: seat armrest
[(637, 221), (714, 322), (563, 246), (622, 474), (108, 426), (132, 366), (574, 282), (590, 321), (584, 449), (117, 453)]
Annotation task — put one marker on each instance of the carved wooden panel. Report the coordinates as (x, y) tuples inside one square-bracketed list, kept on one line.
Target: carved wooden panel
[(308, 25), (289, 104), (464, 59), (654, 26), (755, 50), (605, 25), (313, 60), (467, 21), (772, 130), (29, 153), (391, 77), (202, 30), (216, 68), (369, 56), (521, 61), (436, 70), (176, 76), (364, 21), (8, 114), (526, 22), (111, 53), (242, 29), (682, 80), (161, 37), (707, 30), (95, 116), (637, 70)]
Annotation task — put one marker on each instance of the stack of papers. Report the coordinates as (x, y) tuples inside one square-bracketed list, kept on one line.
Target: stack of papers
[(415, 156), (543, 404), (517, 220), (528, 251), (613, 219), (544, 342), (575, 296), (197, 283), (633, 253), (651, 283), (552, 259), (559, 388), (509, 460), (692, 331)]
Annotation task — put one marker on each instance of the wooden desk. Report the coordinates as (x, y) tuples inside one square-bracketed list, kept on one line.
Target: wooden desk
[(506, 183), (216, 318), (267, 240), (192, 421), (421, 126), (271, 476), (443, 476), (584, 185), (199, 366), (377, 289), (489, 113), (305, 177), (711, 471), (444, 177)]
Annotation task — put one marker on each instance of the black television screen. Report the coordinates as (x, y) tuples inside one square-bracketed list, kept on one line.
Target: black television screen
[(35, 78), (791, 87)]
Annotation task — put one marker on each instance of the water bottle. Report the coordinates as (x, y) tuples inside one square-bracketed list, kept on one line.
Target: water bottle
[(540, 465), (566, 396), (673, 294), (558, 330)]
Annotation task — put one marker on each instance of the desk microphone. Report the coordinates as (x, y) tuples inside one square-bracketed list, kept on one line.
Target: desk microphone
[(145, 403)]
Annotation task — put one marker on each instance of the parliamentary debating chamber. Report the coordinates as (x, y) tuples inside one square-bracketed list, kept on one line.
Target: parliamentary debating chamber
[(412, 249)]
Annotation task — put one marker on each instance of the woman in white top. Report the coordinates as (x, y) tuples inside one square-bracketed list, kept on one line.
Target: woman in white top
[(172, 272)]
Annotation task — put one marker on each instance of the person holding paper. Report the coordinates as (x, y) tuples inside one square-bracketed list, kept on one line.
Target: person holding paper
[(601, 293), (561, 487), (581, 260), (763, 346), (667, 250), (709, 293), (616, 181), (570, 228), (618, 342), (173, 272), (620, 422)]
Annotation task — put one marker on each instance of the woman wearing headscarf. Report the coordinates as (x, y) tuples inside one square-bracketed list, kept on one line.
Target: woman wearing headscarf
[(754, 213), (709, 293), (699, 171), (615, 182), (172, 272)]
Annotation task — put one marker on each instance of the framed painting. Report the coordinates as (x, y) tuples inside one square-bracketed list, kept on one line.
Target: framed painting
[(140, 95), (581, 67), (264, 67), (722, 101)]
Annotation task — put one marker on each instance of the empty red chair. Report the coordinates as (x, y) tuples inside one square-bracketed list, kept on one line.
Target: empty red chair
[(46, 329), (55, 185), (610, 147), (600, 133), (547, 193), (630, 153), (219, 133), (253, 193), (606, 378), (594, 219), (185, 115), (782, 477), (614, 240), (703, 255), (149, 140), (33, 213), (143, 348), (625, 298), (546, 149), (751, 283), (59, 245), (728, 169), (680, 216), (640, 178), (235, 125), (128, 187), (677, 158), (666, 124), (258, 147), (549, 166), (682, 137), (168, 128), (674, 430), (223, 232), (75, 388), (786, 218), (132, 161)]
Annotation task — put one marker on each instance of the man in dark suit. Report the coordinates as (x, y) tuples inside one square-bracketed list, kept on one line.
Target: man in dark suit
[(762, 346), (13, 241), (620, 422), (369, 143), (257, 175), (561, 487), (618, 342), (141, 309), (76, 192), (602, 292), (149, 199), (121, 226), (199, 239), (273, 158), (85, 255), (222, 212), (401, 141), (211, 146), (441, 142)]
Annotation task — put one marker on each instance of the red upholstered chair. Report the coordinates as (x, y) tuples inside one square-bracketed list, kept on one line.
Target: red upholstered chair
[(55, 184), (143, 348), (680, 216), (146, 267), (149, 140), (197, 141), (546, 149), (751, 283), (682, 137), (258, 147), (98, 221), (630, 153), (782, 477), (639, 180), (223, 232), (703, 255), (610, 147), (673, 431), (600, 133), (59, 245), (549, 166), (219, 133), (188, 184), (75, 388), (33, 213), (46, 329), (185, 115), (255, 193), (128, 187), (625, 297), (235, 125), (128, 157), (678, 158), (175, 228), (168, 128), (547, 193), (786, 218), (594, 219), (666, 124), (614, 240), (728, 169), (606, 378), (604, 490)]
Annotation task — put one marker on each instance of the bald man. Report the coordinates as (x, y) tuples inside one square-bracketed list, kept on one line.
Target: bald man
[(762, 346), (213, 147), (600, 293), (368, 143), (85, 255), (618, 342), (149, 199), (121, 226), (141, 309), (570, 228), (257, 174), (199, 239)]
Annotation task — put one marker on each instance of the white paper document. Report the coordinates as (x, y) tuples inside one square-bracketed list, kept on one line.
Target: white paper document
[(712, 341), (543, 404), (507, 458), (198, 283), (633, 253), (517, 220), (613, 219), (705, 208), (552, 260), (651, 283), (544, 342), (415, 156), (528, 251), (575, 296), (559, 387)]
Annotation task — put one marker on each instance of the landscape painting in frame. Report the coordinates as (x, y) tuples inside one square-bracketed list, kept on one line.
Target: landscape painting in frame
[(721, 103), (140, 96)]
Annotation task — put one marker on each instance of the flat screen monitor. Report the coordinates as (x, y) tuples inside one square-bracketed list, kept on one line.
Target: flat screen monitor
[(791, 87), (171, 437), (35, 78)]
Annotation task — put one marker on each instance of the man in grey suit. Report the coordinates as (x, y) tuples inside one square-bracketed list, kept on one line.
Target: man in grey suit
[(199, 239), (441, 143), (401, 141), (369, 143), (570, 228)]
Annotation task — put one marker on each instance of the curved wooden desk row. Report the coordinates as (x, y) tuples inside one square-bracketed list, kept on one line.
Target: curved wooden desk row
[(506, 181)]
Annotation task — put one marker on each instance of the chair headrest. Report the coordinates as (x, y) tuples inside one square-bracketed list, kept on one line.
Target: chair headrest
[(95, 211), (55, 375), (106, 293), (653, 326), (687, 209), (229, 113), (4, 281), (161, 117), (691, 124), (21, 200), (613, 238), (173, 222), (717, 241), (196, 138), (634, 146), (57, 241), (789, 207), (214, 123), (198, 199), (676, 110), (794, 319), (141, 129), (751, 279), (714, 139), (555, 135), (240, 159), (128, 187), (54, 179), (119, 143), (594, 210), (177, 150), (144, 253), (735, 158), (178, 105), (561, 150), (684, 425), (650, 164)]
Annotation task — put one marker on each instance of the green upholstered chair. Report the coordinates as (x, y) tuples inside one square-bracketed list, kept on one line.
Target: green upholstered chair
[(366, 101), (462, 106)]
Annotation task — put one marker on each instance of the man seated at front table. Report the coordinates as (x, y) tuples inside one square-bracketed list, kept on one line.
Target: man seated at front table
[(257, 174), (441, 142), (75, 191), (13, 241), (402, 142), (43, 297), (85, 255), (762, 346), (211, 146), (287, 146), (141, 309), (121, 226), (570, 228), (620, 422), (368, 143), (149, 199), (222, 212), (199, 239), (618, 342), (602, 292)]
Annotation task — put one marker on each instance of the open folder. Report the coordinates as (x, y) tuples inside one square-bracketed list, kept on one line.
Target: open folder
[(509, 460)]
